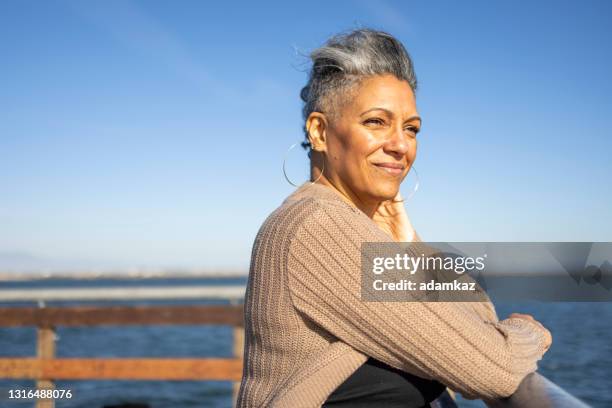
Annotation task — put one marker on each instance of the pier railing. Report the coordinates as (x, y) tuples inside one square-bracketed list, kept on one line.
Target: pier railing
[(46, 367)]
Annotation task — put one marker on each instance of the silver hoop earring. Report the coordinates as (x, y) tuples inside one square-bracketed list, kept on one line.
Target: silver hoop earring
[(416, 186), (414, 190), (285, 170)]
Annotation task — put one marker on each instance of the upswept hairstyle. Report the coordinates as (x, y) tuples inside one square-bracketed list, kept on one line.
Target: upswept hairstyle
[(343, 62)]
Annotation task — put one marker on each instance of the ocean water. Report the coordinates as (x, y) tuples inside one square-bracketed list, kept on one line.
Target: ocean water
[(580, 359)]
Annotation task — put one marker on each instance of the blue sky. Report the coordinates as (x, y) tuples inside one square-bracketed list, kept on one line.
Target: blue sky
[(152, 133)]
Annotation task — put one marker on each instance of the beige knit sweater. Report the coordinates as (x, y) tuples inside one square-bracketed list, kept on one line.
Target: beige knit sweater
[(307, 329)]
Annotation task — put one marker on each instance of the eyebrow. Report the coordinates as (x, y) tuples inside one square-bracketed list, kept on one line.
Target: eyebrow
[(391, 114)]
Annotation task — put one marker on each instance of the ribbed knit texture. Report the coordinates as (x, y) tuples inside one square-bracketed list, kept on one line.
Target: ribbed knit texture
[(307, 329)]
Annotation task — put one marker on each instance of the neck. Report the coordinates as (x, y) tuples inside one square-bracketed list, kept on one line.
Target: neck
[(367, 207)]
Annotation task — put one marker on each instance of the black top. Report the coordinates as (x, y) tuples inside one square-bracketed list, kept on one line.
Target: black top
[(376, 384)]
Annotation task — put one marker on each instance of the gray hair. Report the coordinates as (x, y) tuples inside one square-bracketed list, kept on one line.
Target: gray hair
[(344, 61)]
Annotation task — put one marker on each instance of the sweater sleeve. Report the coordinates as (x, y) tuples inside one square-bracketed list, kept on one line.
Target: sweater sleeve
[(447, 341)]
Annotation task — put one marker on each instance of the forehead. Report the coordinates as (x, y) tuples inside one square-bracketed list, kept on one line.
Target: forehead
[(385, 91)]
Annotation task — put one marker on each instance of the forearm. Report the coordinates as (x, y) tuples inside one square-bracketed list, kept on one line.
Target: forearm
[(472, 353)]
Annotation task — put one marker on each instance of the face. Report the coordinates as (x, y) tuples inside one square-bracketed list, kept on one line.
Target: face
[(370, 145)]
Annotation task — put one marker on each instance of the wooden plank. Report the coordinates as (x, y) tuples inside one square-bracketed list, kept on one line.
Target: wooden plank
[(45, 349), (122, 315), (124, 293), (16, 368), (214, 369)]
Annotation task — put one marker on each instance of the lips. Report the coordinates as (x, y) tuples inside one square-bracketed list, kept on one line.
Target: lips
[(394, 169)]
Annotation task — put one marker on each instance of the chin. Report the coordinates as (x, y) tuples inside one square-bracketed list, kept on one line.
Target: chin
[(385, 190)]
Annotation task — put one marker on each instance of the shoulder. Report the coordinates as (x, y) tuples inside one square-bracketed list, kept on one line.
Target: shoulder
[(331, 222), (295, 215)]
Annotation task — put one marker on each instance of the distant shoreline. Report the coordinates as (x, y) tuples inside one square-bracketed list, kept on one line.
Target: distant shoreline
[(10, 276)]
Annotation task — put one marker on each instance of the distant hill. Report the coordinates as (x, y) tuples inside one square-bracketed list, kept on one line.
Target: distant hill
[(18, 265), (20, 261)]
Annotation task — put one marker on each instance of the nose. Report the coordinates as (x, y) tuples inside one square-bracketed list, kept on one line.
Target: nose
[(398, 143)]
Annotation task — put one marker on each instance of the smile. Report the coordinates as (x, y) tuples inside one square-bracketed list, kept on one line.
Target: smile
[(394, 169)]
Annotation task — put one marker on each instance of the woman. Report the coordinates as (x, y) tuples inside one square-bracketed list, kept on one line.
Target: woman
[(310, 340)]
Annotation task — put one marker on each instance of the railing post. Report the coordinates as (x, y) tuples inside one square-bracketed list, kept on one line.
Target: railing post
[(45, 349), (238, 353), (238, 350)]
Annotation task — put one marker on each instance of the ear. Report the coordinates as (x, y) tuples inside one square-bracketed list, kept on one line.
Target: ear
[(317, 131)]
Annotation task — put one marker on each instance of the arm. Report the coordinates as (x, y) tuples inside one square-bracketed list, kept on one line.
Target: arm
[(442, 340)]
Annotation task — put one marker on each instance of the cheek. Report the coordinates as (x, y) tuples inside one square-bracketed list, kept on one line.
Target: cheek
[(353, 150), (413, 151), (362, 147), (363, 144)]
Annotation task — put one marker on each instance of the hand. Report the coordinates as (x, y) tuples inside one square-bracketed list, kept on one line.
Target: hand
[(547, 334), (392, 218)]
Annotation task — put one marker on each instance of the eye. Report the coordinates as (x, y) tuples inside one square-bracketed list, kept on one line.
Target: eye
[(413, 130), (375, 120)]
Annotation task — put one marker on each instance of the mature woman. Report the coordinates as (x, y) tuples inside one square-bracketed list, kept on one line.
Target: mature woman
[(310, 340)]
